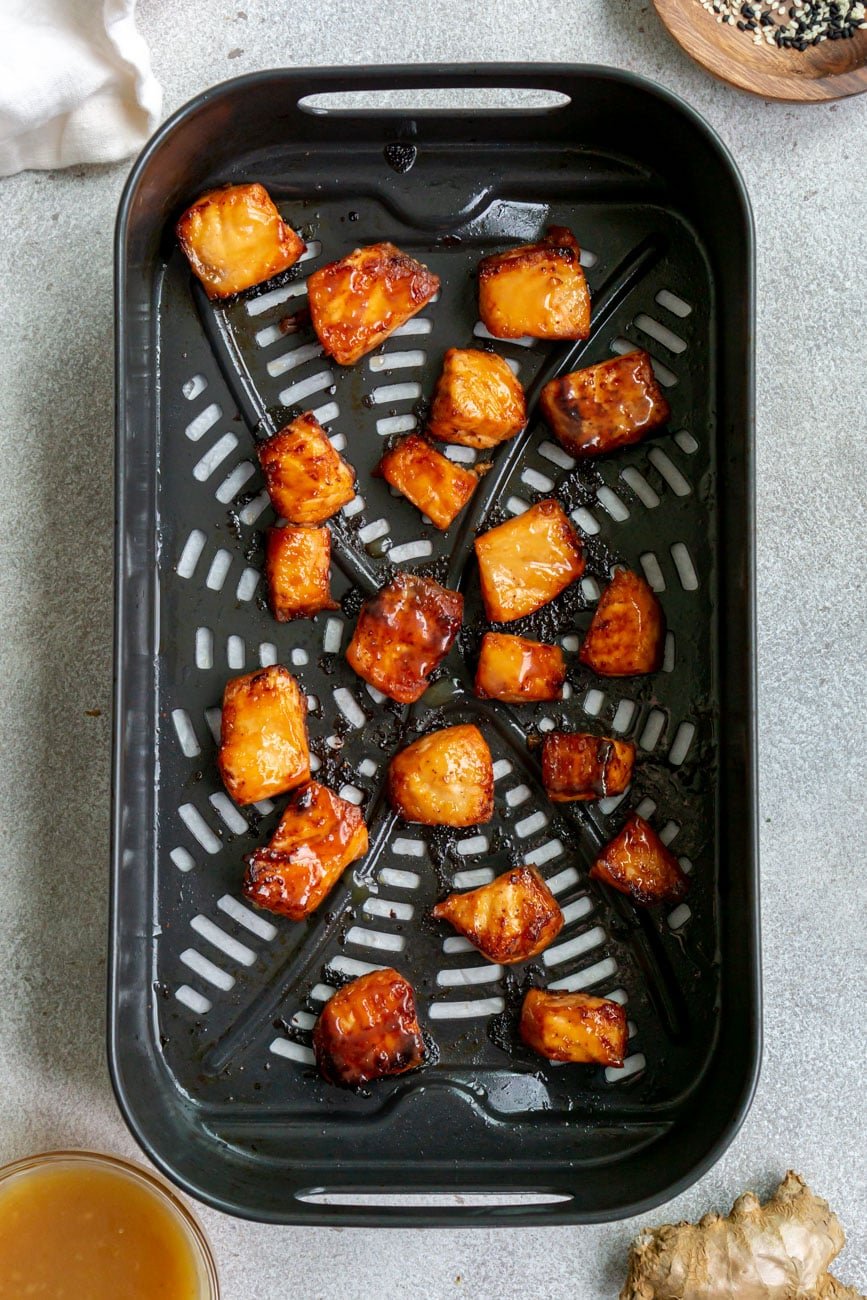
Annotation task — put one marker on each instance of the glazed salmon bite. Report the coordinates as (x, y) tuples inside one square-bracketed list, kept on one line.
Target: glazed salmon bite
[(434, 484), (263, 735), (307, 480), (368, 1029), (298, 572), (626, 636), (403, 633), (577, 767), (512, 919), (576, 1027), (537, 290), (605, 407), (478, 401), (233, 239), (357, 302), (317, 838), (519, 671), (527, 561), (445, 778), (636, 862)]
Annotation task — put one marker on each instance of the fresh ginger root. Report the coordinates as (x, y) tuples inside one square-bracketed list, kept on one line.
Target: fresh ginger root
[(777, 1251)]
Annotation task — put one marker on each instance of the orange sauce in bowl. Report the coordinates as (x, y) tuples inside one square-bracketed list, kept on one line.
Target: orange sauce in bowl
[(80, 1230)]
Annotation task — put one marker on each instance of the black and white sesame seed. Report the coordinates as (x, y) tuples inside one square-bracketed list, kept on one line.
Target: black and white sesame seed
[(792, 26)]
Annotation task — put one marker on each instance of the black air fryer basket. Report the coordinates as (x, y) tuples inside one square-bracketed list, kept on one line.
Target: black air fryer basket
[(212, 1002)]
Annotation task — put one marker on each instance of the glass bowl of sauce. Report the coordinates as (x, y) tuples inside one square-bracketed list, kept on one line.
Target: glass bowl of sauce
[(75, 1224)]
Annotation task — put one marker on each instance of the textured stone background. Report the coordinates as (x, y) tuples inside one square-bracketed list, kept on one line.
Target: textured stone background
[(804, 167)]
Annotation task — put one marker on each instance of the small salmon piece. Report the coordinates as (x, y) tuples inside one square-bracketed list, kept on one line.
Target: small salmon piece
[(439, 488), (263, 735), (307, 480), (518, 670), (478, 401), (512, 919), (234, 238), (403, 633), (444, 779), (627, 632), (577, 766), (636, 862), (298, 573), (574, 1027), (607, 406), (369, 1029), (537, 290), (527, 561), (357, 302), (317, 837)]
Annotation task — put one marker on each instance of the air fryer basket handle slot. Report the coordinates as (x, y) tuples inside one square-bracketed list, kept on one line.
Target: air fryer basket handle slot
[(346, 1200), (429, 100), (378, 90)]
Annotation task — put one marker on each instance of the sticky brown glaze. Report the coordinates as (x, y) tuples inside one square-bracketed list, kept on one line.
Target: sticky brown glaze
[(233, 238), (478, 401), (518, 670), (297, 571), (439, 488), (368, 1029), (512, 919), (577, 766), (574, 1027), (627, 632), (537, 290), (317, 837), (402, 633), (357, 302), (527, 561), (607, 406), (263, 735), (307, 480), (444, 779), (636, 862)]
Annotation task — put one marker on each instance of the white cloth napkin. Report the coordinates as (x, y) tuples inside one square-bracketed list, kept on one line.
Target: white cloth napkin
[(75, 83)]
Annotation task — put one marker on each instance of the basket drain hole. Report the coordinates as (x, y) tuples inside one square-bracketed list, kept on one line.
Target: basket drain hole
[(194, 386), (671, 302)]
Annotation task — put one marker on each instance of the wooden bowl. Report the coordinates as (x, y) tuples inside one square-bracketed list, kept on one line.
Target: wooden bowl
[(831, 70)]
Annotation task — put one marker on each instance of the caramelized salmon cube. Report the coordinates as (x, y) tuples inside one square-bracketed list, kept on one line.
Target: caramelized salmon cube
[(317, 837), (511, 919), (577, 766), (519, 671), (233, 238), (527, 561), (627, 632), (574, 1027), (357, 302), (307, 480), (537, 290), (607, 406), (636, 862), (478, 401), (444, 779), (297, 571), (263, 735), (368, 1029), (439, 488), (403, 633)]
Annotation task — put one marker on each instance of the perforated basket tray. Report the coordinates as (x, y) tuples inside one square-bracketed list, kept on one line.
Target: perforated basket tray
[(211, 1002)]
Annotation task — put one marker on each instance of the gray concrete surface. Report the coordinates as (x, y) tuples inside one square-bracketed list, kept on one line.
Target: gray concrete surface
[(804, 167)]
